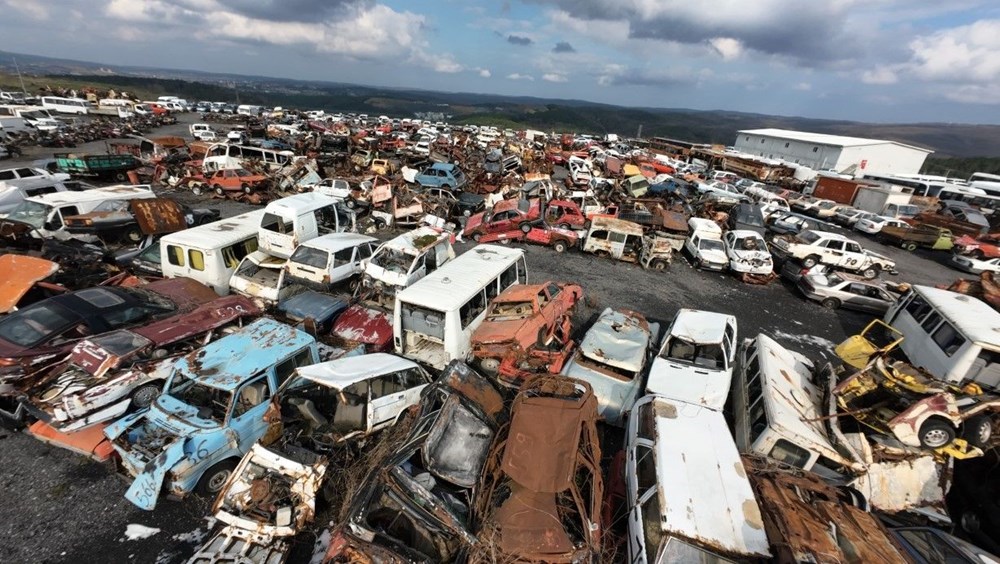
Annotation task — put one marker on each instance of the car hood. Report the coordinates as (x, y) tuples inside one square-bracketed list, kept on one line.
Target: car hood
[(715, 256), (474, 222), (365, 325), (499, 331), (177, 417), (186, 293), (740, 255)]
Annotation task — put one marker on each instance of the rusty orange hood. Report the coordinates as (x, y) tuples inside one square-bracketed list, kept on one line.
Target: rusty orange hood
[(18, 274)]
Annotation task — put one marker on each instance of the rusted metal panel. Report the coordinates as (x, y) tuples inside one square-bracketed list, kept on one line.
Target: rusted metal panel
[(158, 215), (18, 274)]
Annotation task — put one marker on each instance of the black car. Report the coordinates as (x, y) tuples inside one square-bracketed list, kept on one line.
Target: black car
[(925, 545)]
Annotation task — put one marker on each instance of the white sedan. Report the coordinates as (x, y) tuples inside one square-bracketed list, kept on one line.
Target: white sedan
[(974, 265), (872, 224)]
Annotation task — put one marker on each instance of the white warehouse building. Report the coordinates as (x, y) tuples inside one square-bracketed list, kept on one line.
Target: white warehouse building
[(818, 151)]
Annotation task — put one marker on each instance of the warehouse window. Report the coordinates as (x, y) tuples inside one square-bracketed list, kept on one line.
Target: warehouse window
[(747, 138), (786, 145), (761, 140), (815, 149)]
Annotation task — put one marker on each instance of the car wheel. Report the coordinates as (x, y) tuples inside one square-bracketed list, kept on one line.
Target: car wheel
[(490, 366), (936, 433), (969, 522), (246, 188), (351, 204), (196, 189), (143, 396), (215, 478), (563, 226), (910, 246), (978, 431), (870, 273), (830, 303), (219, 190), (134, 235), (810, 261), (467, 213), (476, 237), (525, 228), (559, 246), (696, 263), (380, 224), (121, 176), (445, 187), (658, 264)]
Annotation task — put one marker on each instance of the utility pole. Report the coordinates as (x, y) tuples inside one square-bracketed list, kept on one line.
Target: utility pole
[(19, 77), (638, 134)]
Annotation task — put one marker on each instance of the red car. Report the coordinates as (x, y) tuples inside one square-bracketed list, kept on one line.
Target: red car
[(524, 317), (557, 238), (565, 214), (506, 215), (234, 180)]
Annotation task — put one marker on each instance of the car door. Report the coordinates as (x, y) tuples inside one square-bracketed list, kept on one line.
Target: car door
[(832, 251), (390, 395), (854, 255), (501, 222), (246, 421), (856, 296)]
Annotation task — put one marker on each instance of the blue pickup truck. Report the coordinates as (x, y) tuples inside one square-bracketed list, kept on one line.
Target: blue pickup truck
[(210, 412)]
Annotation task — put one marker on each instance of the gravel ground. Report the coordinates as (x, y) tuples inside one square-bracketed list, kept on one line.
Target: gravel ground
[(61, 507)]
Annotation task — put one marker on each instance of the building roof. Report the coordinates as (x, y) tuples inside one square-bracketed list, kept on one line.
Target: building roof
[(701, 482), (824, 139), (343, 372)]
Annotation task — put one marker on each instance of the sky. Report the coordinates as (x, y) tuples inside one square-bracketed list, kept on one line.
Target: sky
[(864, 60)]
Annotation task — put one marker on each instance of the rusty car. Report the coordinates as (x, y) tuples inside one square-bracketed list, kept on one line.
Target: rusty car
[(523, 317), (506, 215), (416, 504), (542, 487), (209, 413)]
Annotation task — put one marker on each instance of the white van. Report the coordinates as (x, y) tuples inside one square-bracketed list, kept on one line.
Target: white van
[(198, 130), (46, 213), (953, 336), (401, 261), (330, 259), (704, 245), (66, 105), (287, 222), (687, 492), (261, 277), (225, 156), (210, 253), (433, 320), (37, 117)]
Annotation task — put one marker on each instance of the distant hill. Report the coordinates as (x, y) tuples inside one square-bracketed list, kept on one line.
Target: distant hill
[(717, 126)]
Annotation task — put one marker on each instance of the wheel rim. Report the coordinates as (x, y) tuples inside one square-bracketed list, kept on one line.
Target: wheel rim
[(936, 438), (144, 396), (217, 480), (984, 432), (490, 364)]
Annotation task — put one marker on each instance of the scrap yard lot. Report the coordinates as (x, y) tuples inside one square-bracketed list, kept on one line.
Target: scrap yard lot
[(62, 506)]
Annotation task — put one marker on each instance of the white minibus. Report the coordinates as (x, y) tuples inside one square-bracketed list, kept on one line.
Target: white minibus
[(66, 105), (210, 253)]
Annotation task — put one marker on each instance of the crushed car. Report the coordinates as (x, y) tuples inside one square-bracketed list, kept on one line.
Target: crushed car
[(209, 413)]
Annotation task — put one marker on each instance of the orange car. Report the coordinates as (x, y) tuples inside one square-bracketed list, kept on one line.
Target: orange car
[(522, 319), (233, 180)]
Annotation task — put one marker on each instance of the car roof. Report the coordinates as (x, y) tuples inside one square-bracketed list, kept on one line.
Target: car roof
[(703, 327), (228, 362), (618, 338), (333, 242), (343, 372)]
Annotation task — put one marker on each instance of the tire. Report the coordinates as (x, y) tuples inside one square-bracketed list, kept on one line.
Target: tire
[(830, 303), (143, 396), (196, 190), (121, 176), (936, 433), (476, 237), (133, 235), (559, 246), (810, 261), (911, 246), (870, 273), (246, 188), (380, 225), (525, 228), (970, 522), (214, 478), (563, 226), (489, 366), (466, 213), (978, 431), (445, 187), (219, 190), (658, 264), (696, 263), (977, 254)]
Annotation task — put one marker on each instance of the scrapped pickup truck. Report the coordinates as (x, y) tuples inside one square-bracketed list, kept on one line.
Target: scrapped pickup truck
[(822, 247), (210, 412)]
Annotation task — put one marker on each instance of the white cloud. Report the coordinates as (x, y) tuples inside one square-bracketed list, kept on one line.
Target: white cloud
[(879, 75), (554, 77), (803, 87), (33, 9), (519, 76), (485, 73), (727, 47), (969, 53)]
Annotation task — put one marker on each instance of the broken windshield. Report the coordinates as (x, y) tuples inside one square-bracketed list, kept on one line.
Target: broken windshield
[(211, 403), (506, 311), (32, 213), (393, 260), (708, 355)]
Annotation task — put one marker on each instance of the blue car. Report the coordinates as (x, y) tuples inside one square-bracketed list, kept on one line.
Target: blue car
[(209, 413), (442, 175)]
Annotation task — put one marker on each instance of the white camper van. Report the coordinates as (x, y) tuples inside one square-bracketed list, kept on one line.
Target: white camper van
[(210, 253)]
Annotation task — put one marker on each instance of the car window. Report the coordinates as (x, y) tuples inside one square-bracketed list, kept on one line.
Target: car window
[(126, 316), (853, 247), (33, 325), (99, 297), (175, 255), (387, 384), (196, 259), (251, 395), (364, 251), (932, 547), (310, 256)]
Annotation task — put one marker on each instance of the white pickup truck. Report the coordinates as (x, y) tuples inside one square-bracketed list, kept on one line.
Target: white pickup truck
[(821, 247)]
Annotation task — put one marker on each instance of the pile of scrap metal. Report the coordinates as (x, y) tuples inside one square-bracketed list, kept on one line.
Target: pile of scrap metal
[(986, 288)]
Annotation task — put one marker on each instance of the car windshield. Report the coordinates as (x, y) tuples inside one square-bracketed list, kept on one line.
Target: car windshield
[(151, 254), (708, 355), (32, 213), (505, 311), (151, 298), (710, 245), (809, 237), (393, 260), (121, 343), (211, 403), (31, 326), (309, 256)]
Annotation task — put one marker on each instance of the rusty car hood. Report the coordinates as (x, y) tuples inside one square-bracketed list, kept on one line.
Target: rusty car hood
[(20, 274), (367, 325), (186, 293)]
